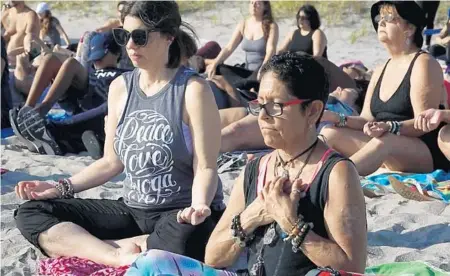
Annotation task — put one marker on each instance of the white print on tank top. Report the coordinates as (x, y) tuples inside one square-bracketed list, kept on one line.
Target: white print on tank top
[(144, 147)]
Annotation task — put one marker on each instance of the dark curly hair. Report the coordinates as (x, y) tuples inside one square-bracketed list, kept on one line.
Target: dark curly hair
[(164, 16), (304, 77)]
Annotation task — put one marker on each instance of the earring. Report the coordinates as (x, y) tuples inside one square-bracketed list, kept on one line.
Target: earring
[(408, 41)]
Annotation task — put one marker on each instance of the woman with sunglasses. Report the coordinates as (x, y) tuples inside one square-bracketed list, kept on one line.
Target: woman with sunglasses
[(163, 131), (297, 208), (307, 37), (409, 83)]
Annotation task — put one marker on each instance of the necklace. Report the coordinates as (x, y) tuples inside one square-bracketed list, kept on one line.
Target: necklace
[(279, 161)]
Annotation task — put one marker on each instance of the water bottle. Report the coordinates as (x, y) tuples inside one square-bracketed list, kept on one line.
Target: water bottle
[(57, 114)]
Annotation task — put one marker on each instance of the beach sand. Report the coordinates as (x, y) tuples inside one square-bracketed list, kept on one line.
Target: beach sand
[(399, 229)]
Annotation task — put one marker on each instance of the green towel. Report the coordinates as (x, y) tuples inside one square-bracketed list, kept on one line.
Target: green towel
[(406, 269)]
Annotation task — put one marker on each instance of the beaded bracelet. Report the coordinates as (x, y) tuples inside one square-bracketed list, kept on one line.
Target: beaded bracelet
[(394, 127), (342, 120), (238, 232), (65, 188)]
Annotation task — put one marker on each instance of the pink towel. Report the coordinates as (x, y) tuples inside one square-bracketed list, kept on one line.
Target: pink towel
[(77, 267)]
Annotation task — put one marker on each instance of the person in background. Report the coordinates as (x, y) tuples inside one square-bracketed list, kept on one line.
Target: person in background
[(258, 35), (21, 24), (114, 22), (442, 45), (74, 87), (307, 37), (430, 8), (409, 83), (51, 29)]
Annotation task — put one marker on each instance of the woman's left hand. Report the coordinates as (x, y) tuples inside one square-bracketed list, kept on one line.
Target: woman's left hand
[(194, 215), (281, 199)]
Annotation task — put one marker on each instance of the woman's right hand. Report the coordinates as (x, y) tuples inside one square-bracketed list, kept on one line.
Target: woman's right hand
[(256, 214), (36, 190)]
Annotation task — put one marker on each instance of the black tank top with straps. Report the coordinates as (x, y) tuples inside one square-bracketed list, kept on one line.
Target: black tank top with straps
[(304, 43), (399, 108), (279, 258)]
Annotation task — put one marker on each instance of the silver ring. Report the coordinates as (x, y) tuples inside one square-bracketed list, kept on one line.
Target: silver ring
[(296, 191)]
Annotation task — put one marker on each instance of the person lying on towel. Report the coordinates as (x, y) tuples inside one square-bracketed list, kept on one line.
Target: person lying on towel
[(295, 209), (75, 88)]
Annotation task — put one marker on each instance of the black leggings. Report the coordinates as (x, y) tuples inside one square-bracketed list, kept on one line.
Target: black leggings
[(113, 219), (430, 8), (239, 77), (439, 50)]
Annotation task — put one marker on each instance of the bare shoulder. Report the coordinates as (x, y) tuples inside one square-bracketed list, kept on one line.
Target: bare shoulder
[(197, 86), (426, 64), (343, 176), (117, 88), (318, 33)]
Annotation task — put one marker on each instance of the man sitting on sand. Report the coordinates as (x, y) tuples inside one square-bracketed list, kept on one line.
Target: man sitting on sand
[(74, 87), (21, 26)]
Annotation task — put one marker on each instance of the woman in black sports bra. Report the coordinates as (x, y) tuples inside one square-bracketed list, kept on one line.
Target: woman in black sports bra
[(410, 83)]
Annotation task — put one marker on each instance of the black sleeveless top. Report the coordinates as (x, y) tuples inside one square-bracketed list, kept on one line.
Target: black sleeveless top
[(304, 43), (398, 107), (278, 257)]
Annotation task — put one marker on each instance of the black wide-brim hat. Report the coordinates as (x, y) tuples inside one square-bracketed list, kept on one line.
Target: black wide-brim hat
[(408, 10)]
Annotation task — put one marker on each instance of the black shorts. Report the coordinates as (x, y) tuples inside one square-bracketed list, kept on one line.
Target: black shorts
[(113, 219), (71, 99)]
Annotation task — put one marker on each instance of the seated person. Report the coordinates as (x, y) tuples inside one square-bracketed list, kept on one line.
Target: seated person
[(294, 209), (442, 46), (240, 130), (167, 147), (74, 87), (430, 120), (6, 94), (204, 56), (307, 37), (259, 42), (51, 29), (430, 8), (384, 133), (21, 25)]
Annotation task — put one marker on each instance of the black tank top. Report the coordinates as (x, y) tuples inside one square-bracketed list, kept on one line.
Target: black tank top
[(304, 43), (279, 258), (398, 107)]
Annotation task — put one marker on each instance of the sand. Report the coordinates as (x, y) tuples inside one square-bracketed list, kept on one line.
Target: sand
[(399, 229)]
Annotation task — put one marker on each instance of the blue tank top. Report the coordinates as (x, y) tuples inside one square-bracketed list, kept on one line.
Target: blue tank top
[(155, 146)]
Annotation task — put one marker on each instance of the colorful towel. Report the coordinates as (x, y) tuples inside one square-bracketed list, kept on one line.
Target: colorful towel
[(406, 268), (77, 267), (435, 184)]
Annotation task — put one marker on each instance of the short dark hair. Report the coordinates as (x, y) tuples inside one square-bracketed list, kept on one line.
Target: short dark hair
[(312, 14), (304, 77), (165, 16), (124, 3)]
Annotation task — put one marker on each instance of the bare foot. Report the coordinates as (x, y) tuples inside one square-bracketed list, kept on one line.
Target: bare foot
[(126, 255)]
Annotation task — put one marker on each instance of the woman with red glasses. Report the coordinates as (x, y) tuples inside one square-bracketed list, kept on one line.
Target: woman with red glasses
[(297, 208), (307, 37), (163, 132), (409, 83)]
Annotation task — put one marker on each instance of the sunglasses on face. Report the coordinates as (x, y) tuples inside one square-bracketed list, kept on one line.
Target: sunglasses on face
[(139, 36), (302, 17), (272, 109), (387, 18)]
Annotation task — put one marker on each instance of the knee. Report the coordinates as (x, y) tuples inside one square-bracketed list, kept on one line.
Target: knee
[(69, 63), (444, 140), (27, 218), (331, 134), (233, 136)]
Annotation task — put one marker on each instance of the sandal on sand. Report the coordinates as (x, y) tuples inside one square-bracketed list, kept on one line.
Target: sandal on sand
[(407, 192), (13, 114), (372, 193), (32, 126)]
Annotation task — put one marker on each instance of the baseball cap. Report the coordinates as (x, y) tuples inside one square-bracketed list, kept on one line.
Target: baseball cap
[(42, 7), (98, 46)]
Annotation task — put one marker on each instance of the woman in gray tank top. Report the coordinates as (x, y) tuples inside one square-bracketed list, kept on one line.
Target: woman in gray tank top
[(163, 131), (307, 37), (259, 37)]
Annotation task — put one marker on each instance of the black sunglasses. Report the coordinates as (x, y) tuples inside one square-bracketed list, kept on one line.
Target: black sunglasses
[(139, 36)]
